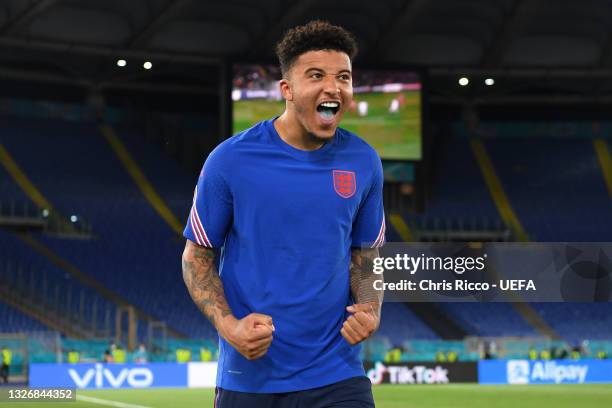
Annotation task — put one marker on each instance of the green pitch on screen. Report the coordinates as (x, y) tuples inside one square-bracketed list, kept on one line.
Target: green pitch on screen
[(386, 396), (395, 136)]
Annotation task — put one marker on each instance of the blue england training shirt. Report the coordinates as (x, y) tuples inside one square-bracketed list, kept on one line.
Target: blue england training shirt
[(286, 220)]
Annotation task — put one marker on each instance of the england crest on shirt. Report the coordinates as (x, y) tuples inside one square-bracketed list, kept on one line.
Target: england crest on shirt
[(344, 183)]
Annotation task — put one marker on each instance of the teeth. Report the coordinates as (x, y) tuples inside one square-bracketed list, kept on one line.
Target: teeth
[(330, 104)]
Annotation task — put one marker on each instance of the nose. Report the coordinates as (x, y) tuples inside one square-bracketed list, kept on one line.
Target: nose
[(330, 85)]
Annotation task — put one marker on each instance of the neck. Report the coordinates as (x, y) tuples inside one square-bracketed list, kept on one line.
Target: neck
[(293, 133)]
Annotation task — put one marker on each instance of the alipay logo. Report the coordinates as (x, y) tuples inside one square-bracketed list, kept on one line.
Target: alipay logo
[(518, 371), (522, 372)]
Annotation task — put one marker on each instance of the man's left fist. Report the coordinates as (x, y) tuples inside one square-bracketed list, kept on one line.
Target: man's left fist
[(362, 323)]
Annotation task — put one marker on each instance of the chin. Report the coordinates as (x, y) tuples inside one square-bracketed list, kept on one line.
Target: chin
[(324, 135), (327, 134)]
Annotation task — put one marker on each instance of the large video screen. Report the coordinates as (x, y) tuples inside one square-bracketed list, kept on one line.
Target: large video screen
[(386, 107)]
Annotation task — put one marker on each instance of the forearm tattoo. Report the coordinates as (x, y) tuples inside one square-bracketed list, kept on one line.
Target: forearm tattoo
[(362, 277), (202, 280)]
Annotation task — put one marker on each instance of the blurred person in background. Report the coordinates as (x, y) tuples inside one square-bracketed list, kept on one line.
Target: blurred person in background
[(107, 357), (140, 355), (7, 357)]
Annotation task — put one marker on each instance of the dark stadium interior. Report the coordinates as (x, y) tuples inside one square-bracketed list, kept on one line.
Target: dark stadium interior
[(98, 163)]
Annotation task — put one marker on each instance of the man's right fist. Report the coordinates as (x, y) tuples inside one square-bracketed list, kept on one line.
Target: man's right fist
[(251, 336)]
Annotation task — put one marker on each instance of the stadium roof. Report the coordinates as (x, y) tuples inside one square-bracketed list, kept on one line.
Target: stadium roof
[(79, 41)]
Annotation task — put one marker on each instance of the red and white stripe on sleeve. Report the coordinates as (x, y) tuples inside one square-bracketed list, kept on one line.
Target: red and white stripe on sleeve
[(380, 240), (196, 224)]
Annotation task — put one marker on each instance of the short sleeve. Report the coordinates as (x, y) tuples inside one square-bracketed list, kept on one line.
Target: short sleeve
[(369, 225), (211, 212)]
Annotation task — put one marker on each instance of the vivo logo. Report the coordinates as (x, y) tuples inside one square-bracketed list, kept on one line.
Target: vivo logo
[(135, 377)]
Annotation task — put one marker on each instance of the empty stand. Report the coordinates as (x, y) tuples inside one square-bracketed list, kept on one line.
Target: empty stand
[(555, 186), (134, 253), (576, 322), (14, 321), (488, 319), (399, 324)]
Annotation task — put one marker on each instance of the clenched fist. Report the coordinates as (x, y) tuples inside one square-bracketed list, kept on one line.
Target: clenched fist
[(251, 336), (361, 323)]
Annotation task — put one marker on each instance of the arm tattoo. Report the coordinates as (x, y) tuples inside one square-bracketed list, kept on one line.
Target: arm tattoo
[(202, 280), (362, 278)]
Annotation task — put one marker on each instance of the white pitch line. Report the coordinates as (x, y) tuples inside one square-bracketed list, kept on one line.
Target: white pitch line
[(109, 403)]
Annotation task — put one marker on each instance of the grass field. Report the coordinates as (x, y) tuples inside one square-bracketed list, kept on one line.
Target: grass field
[(394, 136), (386, 396)]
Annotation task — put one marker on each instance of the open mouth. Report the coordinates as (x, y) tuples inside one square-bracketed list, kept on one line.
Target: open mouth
[(327, 110)]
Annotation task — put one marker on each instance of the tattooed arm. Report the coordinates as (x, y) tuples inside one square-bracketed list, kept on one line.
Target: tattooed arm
[(362, 277), (365, 316), (202, 280), (250, 336)]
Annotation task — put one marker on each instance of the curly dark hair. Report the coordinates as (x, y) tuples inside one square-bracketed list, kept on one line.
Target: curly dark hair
[(314, 36)]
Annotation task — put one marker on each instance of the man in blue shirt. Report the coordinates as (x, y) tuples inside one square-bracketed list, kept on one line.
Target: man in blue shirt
[(295, 205)]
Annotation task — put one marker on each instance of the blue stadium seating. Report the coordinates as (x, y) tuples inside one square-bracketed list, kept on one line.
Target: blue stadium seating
[(27, 272), (488, 319), (173, 183), (576, 322), (14, 321), (555, 186), (399, 324), (137, 257), (10, 191), (459, 190)]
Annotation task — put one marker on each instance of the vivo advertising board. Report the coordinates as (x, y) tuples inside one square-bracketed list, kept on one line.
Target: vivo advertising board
[(99, 376), (545, 371)]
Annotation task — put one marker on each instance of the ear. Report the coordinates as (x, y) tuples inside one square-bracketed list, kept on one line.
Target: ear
[(285, 89)]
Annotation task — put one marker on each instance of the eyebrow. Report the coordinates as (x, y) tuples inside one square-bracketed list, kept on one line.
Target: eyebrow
[(342, 71)]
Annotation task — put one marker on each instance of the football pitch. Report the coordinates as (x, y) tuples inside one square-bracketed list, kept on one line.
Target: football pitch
[(386, 396)]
